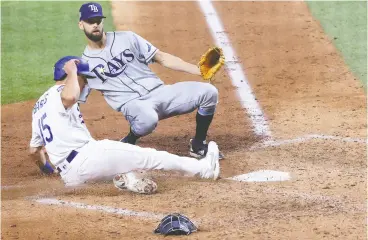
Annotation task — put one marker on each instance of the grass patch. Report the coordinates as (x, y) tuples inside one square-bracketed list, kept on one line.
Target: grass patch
[(34, 36), (346, 24)]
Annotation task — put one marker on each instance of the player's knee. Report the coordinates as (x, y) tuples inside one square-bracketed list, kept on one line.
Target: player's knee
[(213, 93), (146, 124), (209, 100), (210, 96)]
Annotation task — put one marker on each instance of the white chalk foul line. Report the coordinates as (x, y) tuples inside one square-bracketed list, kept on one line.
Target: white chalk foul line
[(10, 187), (274, 143), (107, 209), (235, 70), (118, 211), (343, 139)]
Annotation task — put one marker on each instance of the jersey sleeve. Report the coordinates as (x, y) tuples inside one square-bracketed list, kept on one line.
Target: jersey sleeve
[(58, 103), (84, 94), (36, 140), (144, 48)]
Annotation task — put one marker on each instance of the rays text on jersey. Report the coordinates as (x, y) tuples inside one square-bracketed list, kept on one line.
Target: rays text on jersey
[(115, 66)]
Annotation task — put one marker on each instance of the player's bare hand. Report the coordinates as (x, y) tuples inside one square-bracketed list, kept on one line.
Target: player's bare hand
[(71, 66)]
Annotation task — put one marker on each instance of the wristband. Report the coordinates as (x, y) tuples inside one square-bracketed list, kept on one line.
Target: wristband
[(47, 168)]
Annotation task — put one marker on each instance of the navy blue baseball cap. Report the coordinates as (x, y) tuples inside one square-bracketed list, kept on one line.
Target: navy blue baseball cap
[(82, 68), (90, 10)]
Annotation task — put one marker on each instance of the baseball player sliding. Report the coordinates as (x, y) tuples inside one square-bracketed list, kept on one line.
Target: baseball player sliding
[(119, 62), (58, 125)]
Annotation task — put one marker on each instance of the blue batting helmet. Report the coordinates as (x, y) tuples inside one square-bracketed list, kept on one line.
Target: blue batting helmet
[(82, 67)]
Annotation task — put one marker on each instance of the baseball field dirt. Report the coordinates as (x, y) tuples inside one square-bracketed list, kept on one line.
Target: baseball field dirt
[(304, 88)]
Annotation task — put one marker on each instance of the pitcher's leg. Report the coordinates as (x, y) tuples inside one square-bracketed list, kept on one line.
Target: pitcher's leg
[(185, 97), (206, 112), (112, 157), (142, 118)]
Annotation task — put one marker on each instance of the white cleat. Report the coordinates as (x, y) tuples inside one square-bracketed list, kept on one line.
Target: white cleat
[(132, 183), (212, 161)]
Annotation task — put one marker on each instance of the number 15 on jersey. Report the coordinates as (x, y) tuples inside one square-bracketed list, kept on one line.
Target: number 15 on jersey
[(44, 127)]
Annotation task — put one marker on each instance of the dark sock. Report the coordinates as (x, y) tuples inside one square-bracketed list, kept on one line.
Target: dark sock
[(130, 138), (203, 123)]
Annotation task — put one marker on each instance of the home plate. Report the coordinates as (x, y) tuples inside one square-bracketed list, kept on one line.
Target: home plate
[(262, 176)]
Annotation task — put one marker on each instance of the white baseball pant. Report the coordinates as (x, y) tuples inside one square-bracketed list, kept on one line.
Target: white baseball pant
[(102, 160)]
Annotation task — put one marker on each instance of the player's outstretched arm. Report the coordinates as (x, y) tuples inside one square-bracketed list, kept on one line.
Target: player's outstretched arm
[(38, 155), (71, 91), (175, 63)]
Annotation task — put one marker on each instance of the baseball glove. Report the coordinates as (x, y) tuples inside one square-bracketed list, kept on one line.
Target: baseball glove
[(211, 62)]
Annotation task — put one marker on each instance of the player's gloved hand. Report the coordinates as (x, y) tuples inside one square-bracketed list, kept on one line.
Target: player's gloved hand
[(211, 62)]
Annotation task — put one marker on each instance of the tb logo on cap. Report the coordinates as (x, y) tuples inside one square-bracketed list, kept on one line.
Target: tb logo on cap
[(90, 10), (93, 8)]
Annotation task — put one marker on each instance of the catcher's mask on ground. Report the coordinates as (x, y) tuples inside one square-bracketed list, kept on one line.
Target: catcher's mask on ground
[(175, 224), (82, 68)]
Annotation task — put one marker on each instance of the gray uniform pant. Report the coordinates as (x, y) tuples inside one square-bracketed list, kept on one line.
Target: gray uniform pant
[(166, 101)]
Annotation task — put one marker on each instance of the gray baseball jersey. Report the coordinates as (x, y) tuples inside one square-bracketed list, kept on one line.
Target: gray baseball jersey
[(121, 68), (130, 87)]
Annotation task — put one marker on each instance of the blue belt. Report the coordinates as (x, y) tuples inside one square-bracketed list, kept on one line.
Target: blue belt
[(69, 158)]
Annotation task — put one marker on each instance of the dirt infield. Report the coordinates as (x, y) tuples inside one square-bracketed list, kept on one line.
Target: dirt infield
[(303, 87)]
